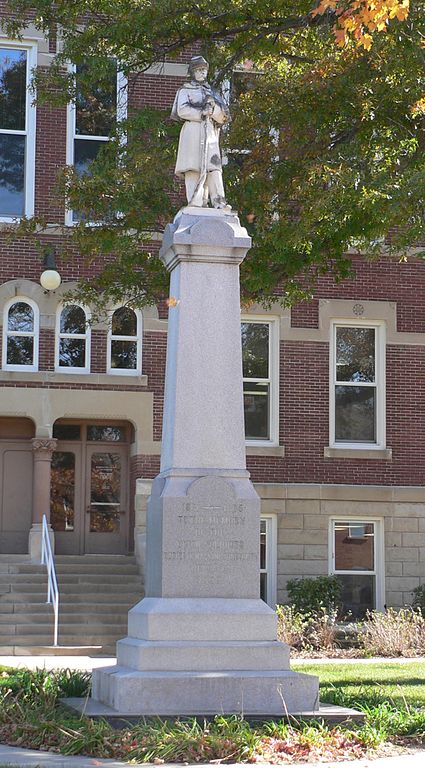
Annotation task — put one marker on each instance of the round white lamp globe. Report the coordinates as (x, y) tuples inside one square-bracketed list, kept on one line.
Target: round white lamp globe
[(50, 279)]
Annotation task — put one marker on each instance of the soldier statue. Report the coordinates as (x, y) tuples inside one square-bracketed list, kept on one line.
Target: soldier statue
[(202, 110)]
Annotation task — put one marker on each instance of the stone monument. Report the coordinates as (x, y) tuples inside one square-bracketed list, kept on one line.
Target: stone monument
[(201, 641)]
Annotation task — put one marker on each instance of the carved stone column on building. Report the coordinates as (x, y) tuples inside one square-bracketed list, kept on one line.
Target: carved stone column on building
[(43, 450)]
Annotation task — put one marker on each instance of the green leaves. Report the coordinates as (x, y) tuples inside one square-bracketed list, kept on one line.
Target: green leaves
[(325, 149)]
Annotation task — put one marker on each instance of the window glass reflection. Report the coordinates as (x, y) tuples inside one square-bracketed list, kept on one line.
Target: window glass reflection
[(355, 354), (354, 547), (13, 88), (105, 432), (67, 431), (105, 491), (124, 322), (124, 355), (20, 350), (355, 414), (72, 353), (12, 175), (85, 152), (21, 317), (358, 594), (73, 320), (256, 408), (96, 103), (62, 509), (255, 350), (263, 544)]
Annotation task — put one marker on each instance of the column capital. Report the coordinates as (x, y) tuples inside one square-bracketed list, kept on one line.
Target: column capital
[(44, 445), (204, 235)]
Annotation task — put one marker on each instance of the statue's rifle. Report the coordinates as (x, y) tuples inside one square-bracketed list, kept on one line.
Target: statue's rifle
[(199, 189)]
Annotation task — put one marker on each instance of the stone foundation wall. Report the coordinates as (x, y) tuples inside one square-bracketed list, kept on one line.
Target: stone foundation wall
[(304, 515)]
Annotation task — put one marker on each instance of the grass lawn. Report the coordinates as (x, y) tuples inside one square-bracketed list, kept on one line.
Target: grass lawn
[(391, 695), (384, 681)]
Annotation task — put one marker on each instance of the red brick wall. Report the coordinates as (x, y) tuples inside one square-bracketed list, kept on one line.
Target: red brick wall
[(304, 383), (50, 157), (154, 352), (385, 280), (98, 351), (46, 350), (304, 427), (305, 314)]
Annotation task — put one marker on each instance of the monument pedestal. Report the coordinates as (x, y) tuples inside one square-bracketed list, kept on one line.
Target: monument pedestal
[(202, 641)]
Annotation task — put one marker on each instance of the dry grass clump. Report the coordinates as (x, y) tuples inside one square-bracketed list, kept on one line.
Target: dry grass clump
[(394, 633), (307, 631)]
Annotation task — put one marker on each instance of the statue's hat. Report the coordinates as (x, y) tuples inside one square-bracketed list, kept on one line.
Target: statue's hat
[(196, 62)]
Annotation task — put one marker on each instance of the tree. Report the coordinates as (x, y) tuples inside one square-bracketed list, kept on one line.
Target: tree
[(329, 114)]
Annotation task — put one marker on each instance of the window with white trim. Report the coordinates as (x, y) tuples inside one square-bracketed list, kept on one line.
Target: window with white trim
[(20, 335), (73, 339), (124, 341), (17, 131), (91, 120), (260, 388), (268, 559), (356, 557), (357, 414)]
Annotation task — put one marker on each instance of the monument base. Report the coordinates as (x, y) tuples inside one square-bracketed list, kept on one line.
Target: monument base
[(248, 693), (188, 656)]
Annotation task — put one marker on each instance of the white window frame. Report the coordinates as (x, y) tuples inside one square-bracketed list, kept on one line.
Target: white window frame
[(380, 348), (71, 134), (30, 127), (35, 334), (138, 339), (271, 558), (86, 336), (272, 380), (378, 555)]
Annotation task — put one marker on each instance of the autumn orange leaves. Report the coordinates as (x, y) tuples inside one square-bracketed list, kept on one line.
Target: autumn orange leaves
[(359, 20)]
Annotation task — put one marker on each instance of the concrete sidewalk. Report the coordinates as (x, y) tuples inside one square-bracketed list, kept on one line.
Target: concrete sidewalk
[(16, 756), (89, 663), (85, 663)]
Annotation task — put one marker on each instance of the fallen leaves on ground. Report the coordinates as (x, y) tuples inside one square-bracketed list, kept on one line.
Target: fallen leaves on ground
[(334, 745)]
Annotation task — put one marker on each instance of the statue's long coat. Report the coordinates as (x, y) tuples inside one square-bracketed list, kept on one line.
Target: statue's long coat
[(188, 104)]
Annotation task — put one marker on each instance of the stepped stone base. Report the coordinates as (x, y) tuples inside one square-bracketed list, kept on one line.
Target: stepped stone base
[(271, 692), (187, 656), (331, 713)]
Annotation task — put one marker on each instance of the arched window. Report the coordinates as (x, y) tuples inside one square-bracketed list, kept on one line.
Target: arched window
[(20, 335), (73, 339), (124, 342)]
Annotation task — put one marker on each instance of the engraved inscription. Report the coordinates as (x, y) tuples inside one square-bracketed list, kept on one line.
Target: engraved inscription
[(211, 542), (210, 534)]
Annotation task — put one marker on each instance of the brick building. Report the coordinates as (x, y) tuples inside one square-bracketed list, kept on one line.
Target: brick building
[(334, 395)]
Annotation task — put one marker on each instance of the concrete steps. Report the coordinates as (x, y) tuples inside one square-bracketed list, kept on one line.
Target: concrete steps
[(96, 593)]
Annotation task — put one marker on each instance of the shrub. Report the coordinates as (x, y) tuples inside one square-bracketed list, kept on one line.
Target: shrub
[(312, 595), (307, 631), (394, 633), (324, 629), (419, 597), (292, 626)]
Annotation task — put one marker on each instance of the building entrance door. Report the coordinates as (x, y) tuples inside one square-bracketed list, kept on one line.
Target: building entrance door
[(89, 490), (106, 508), (16, 477)]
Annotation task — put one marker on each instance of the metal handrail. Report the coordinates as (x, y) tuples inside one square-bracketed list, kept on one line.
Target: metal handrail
[(52, 584)]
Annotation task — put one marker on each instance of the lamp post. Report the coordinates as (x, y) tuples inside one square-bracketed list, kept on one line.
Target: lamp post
[(50, 278)]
